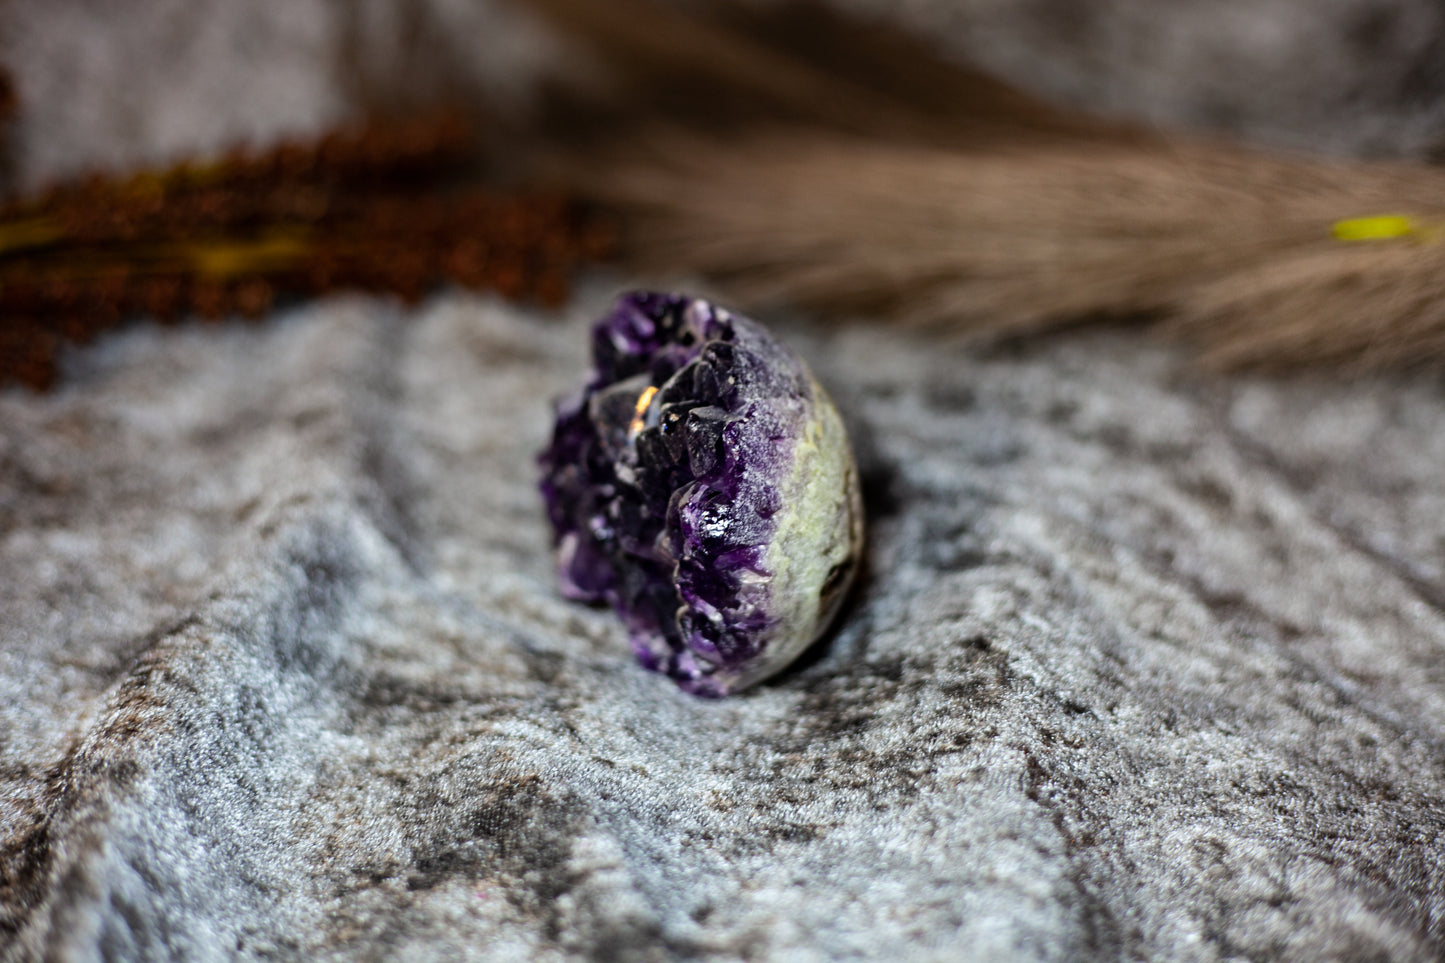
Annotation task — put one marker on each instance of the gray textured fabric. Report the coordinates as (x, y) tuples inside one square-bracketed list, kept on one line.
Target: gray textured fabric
[(157, 79), (1344, 76), (1144, 666)]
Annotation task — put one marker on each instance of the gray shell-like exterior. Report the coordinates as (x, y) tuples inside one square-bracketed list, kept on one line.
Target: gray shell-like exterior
[(702, 483)]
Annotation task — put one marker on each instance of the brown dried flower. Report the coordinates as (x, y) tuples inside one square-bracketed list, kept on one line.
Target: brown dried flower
[(387, 208)]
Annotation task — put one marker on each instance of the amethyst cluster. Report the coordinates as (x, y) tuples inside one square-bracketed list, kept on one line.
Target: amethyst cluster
[(702, 483)]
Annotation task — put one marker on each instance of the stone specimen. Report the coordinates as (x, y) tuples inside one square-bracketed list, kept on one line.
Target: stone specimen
[(702, 483)]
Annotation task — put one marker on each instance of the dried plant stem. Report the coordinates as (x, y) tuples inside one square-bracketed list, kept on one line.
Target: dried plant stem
[(801, 63)]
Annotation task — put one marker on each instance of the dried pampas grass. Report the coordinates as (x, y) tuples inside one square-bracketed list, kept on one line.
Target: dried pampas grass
[(938, 198), (1235, 252)]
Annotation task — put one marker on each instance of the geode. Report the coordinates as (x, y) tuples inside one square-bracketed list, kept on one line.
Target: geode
[(702, 483)]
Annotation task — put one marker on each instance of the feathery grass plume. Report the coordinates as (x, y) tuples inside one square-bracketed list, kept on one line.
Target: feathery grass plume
[(1001, 216), (1232, 251)]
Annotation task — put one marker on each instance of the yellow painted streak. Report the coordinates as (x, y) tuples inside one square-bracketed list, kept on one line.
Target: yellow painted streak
[(223, 259), (24, 234), (1380, 228)]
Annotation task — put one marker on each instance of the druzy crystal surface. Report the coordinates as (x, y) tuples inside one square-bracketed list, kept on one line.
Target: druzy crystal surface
[(701, 482)]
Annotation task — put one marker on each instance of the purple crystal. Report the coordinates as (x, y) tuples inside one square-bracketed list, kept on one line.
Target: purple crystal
[(702, 484)]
